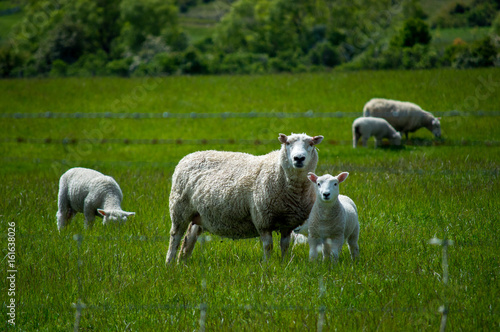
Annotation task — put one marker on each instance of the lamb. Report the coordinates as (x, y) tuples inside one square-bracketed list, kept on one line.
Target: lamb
[(238, 195), (405, 117), (93, 193), (378, 127), (333, 219)]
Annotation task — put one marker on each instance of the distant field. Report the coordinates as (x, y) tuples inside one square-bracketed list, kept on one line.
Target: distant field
[(405, 197), (445, 37)]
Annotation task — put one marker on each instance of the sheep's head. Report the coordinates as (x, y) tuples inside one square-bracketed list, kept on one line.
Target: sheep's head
[(299, 148), (113, 216), (396, 138), (327, 186), (436, 127)]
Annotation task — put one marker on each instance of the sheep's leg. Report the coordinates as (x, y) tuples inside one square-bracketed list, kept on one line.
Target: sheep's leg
[(267, 242), (64, 212), (355, 139), (352, 242), (89, 213), (194, 230), (378, 142), (285, 242), (332, 247), (315, 245), (176, 233), (364, 140)]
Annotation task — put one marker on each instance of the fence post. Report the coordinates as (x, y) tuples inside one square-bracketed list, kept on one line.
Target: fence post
[(321, 314), (444, 309), (203, 306), (79, 305)]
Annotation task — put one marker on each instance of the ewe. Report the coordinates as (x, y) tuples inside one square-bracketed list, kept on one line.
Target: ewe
[(333, 219), (238, 195), (93, 193), (404, 116)]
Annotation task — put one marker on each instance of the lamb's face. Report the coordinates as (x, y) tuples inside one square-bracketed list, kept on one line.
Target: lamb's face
[(436, 127), (396, 138), (299, 148), (114, 216), (327, 186)]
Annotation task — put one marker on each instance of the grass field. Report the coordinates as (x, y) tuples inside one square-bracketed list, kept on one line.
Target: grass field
[(405, 197)]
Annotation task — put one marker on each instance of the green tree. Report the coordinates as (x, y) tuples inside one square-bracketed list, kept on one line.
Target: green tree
[(414, 31)]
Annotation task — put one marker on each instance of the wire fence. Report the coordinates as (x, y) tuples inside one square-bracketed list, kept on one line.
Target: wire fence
[(227, 141), (321, 310), (216, 115)]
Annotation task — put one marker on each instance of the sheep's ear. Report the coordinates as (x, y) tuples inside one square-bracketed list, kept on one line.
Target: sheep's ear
[(317, 139), (283, 138), (342, 176), (312, 177), (101, 212), (128, 214)]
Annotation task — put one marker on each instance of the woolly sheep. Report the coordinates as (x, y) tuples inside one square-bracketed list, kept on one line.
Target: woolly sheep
[(404, 116), (93, 193), (238, 195), (333, 219), (378, 127)]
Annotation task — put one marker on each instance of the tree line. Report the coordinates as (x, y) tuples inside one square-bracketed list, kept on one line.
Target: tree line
[(144, 37)]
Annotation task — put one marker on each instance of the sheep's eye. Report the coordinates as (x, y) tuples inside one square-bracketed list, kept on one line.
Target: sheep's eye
[(319, 184), (335, 184)]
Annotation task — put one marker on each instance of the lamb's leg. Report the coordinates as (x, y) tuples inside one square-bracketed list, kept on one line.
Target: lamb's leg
[(89, 213), (194, 230), (332, 247), (352, 242), (267, 242), (315, 245), (64, 211), (285, 242), (364, 140), (355, 139)]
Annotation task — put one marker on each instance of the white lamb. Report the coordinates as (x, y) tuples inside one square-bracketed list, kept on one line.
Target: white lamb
[(238, 195), (333, 219), (404, 116), (378, 127), (93, 193)]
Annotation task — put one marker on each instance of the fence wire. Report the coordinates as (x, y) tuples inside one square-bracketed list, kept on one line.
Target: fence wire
[(229, 141), (216, 115)]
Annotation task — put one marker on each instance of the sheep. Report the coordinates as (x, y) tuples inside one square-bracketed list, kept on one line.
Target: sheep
[(93, 193), (333, 219), (378, 127), (239, 195), (405, 117)]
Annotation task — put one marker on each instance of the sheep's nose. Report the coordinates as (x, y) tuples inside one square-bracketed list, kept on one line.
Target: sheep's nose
[(326, 195), (299, 159)]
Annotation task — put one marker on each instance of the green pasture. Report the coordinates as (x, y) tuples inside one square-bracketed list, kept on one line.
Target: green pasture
[(445, 188)]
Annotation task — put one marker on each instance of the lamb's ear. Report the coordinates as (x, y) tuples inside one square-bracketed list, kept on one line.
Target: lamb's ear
[(283, 138), (101, 212), (128, 214), (312, 177), (317, 139), (342, 176)]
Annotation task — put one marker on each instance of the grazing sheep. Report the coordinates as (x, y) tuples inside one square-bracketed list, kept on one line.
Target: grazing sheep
[(333, 219), (93, 193), (238, 195), (378, 127), (404, 116)]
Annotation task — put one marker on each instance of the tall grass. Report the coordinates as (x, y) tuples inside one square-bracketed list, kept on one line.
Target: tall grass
[(404, 196)]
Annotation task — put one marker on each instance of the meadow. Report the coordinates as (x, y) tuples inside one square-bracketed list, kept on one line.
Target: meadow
[(429, 188)]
